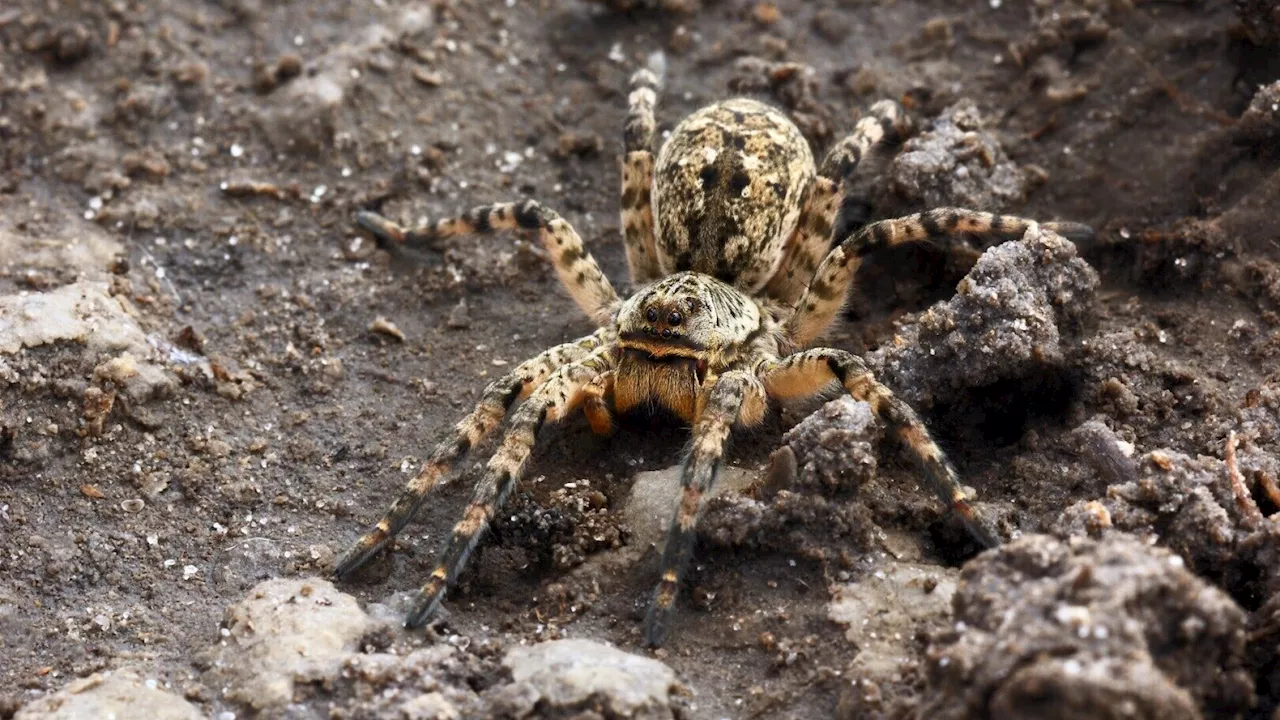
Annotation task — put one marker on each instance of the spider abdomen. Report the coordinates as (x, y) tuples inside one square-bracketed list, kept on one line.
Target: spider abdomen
[(727, 192)]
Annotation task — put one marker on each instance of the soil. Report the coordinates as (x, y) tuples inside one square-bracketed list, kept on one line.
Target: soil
[(209, 379)]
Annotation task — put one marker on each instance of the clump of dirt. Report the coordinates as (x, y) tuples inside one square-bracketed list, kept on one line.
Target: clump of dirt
[(956, 161), (1020, 310), (809, 501), (287, 633), (126, 692), (574, 523), (1204, 508), (835, 448), (1260, 124), (1085, 628), (1064, 28), (576, 678)]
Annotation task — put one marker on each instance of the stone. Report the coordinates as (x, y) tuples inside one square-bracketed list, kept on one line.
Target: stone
[(1021, 307), (655, 494), (119, 695), (286, 633), (583, 675)]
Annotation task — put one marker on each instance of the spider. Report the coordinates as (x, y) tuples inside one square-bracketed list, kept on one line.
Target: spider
[(728, 241)]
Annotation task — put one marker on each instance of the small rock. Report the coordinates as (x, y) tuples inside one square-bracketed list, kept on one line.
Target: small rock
[(72, 44), (1260, 124), (579, 144), (287, 634), (68, 44), (835, 447), (383, 326), (832, 26), (138, 381), (123, 693), (428, 706), (955, 162), (582, 675), (460, 316), (148, 162), (191, 73), (656, 494), (430, 78)]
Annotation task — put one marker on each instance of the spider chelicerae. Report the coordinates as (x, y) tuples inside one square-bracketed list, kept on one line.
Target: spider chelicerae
[(728, 237)]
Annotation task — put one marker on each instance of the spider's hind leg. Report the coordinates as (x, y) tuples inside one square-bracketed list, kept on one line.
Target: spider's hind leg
[(808, 243), (885, 123), (948, 228), (637, 172)]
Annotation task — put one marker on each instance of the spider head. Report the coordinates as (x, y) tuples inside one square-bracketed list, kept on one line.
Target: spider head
[(672, 332), (687, 314)]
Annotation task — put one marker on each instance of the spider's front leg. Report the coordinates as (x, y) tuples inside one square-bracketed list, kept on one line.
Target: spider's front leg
[(637, 172), (595, 405), (563, 391), (578, 270), (809, 372), (734, 397), (494, 404)]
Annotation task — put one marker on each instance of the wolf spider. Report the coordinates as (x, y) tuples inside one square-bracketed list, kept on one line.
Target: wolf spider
[(728, 240)]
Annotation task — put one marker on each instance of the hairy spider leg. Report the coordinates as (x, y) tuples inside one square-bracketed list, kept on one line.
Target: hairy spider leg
[(495, 403), (578, 270), (736, 397), (811, 371), (563, 392), (885, 124), (637, 172), (945, 227)]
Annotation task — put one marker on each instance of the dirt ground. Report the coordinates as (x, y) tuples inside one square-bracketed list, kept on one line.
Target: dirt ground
[(189, 171)]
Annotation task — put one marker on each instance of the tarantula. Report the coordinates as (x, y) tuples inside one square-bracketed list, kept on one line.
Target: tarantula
[(728, 241)]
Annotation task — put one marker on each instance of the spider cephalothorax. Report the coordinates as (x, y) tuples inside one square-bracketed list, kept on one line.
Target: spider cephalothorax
[(674, 332), (728, 238)]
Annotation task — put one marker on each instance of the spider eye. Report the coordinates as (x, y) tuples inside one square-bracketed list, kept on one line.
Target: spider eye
[(674, 318), (652, 315)]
